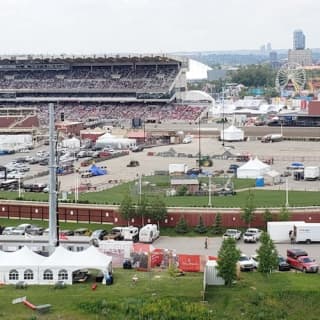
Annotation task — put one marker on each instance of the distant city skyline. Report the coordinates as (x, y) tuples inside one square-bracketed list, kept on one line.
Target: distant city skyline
[(148, 26)]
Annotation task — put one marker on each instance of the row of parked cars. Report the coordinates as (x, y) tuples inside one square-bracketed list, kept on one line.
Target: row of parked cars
[(250, 235)]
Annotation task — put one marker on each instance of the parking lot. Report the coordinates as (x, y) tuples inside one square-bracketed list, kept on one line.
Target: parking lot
[(195, 245), (283, 153)]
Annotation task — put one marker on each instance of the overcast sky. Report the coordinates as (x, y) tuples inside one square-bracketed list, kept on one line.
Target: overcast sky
[(151, 26)]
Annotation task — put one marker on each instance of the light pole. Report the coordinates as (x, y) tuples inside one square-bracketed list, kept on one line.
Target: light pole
[(209, 201), (199, 137), (287, 193)]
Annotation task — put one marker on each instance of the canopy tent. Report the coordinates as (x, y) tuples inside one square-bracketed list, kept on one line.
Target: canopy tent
[(62, 263), (253, 169), (232, 134), (26, 265), (19, 265), (97, 171), (115, 142), (272, 177)]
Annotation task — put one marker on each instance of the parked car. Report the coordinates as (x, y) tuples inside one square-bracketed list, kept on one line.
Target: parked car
[(82, 232), (7, 231), (299, 259), (252, 235), (99, 234), (137, 149), (66, 233), (246, 263), (22, 229), (232, 233), (255, 260), (224, 192), (283, 265), (35, 230)]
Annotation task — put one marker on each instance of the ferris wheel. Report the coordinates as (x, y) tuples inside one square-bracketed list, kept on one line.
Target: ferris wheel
[(291, 76)]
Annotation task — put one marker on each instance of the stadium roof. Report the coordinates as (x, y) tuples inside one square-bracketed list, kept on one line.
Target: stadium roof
[(197, 70)]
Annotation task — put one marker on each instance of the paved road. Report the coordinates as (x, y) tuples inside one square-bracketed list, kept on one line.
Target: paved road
[(195, 245)]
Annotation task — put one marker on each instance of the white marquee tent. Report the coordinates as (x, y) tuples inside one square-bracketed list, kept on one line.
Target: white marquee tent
[(253, 169), (232, 133), (115, 142), (72, 143), (26, 265)]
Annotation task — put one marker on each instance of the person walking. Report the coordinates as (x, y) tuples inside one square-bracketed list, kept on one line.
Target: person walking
[(206, 243)]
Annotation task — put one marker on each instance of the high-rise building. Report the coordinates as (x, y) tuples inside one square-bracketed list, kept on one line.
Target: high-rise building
[(299, 40)]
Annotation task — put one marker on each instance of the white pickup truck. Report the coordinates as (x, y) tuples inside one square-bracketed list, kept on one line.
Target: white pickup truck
[(232, 233), (252, 235)]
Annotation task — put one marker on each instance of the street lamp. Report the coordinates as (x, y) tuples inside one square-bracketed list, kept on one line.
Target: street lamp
[(199, 137), (223, 116), (287, 193)]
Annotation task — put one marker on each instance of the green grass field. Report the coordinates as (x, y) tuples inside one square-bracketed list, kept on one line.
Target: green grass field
[(157, 295), (157, 185)]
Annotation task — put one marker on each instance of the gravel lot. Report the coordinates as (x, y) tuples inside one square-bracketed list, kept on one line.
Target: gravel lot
[(284, 153)]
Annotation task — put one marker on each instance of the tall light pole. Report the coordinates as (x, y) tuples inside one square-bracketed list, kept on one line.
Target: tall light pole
[(209, 201), (287, 193), (223, 116), (199, 137)]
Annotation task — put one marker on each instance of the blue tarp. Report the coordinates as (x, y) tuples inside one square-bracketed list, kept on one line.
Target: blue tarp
[(297, 164), (97, 171)]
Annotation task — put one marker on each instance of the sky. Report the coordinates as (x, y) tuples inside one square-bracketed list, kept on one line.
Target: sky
[(150, 26)]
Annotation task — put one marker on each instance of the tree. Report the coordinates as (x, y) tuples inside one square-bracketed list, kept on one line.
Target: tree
[(267, 255), (182, 226), (182, 191), (200, 228), (157, 209), (217, 226), (267, 216), (227, 263), (142, 208), (127, 209), (284, 214), (247, 214)]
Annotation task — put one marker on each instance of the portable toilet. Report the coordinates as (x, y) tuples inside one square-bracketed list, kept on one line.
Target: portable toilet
[(211, 274), (259, 182)]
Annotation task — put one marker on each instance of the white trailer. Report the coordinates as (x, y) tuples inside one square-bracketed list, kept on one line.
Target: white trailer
[(279, 230), (130, 233), (308, 232), (149, 233), (311, 173), (177, 168)]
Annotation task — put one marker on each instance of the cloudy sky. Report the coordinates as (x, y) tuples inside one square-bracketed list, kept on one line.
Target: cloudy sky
[(117, 26)]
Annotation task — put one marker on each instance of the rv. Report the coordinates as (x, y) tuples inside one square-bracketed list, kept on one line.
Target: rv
[(149, 233)]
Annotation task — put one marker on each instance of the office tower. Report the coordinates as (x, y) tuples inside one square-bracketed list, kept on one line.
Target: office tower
[(299, 40)]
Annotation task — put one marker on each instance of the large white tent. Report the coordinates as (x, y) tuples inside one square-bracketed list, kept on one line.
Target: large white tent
[(253, 169), (20, 265), (232, 133), (115, 142), (26, 265)]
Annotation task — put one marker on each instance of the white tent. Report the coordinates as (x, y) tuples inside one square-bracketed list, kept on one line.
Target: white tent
[(232, 134), (26, 265), (62, 263), (272, 177), (115, 142), (253, 169), (72, 143), (20, 265)]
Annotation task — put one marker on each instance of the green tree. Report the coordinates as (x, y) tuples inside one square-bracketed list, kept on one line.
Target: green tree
[(227, 262), (284, 214), (217, 226), (182, 226), (157, 209), (142, 208), (127, 209), (247, 213), (267, 216), (267, 255), (182, 191), (200, 227)]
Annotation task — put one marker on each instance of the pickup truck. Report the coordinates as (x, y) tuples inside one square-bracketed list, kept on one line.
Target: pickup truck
[(299, 259), (232, 233), (252, 235)]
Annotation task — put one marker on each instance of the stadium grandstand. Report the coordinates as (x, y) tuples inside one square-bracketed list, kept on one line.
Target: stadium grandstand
[(96, 88)]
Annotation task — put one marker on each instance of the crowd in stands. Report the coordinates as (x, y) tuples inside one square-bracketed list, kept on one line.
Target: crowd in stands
[(112, 78), (120, 111)]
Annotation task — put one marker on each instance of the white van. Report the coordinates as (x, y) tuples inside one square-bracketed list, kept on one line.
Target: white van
[(149, 233)]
